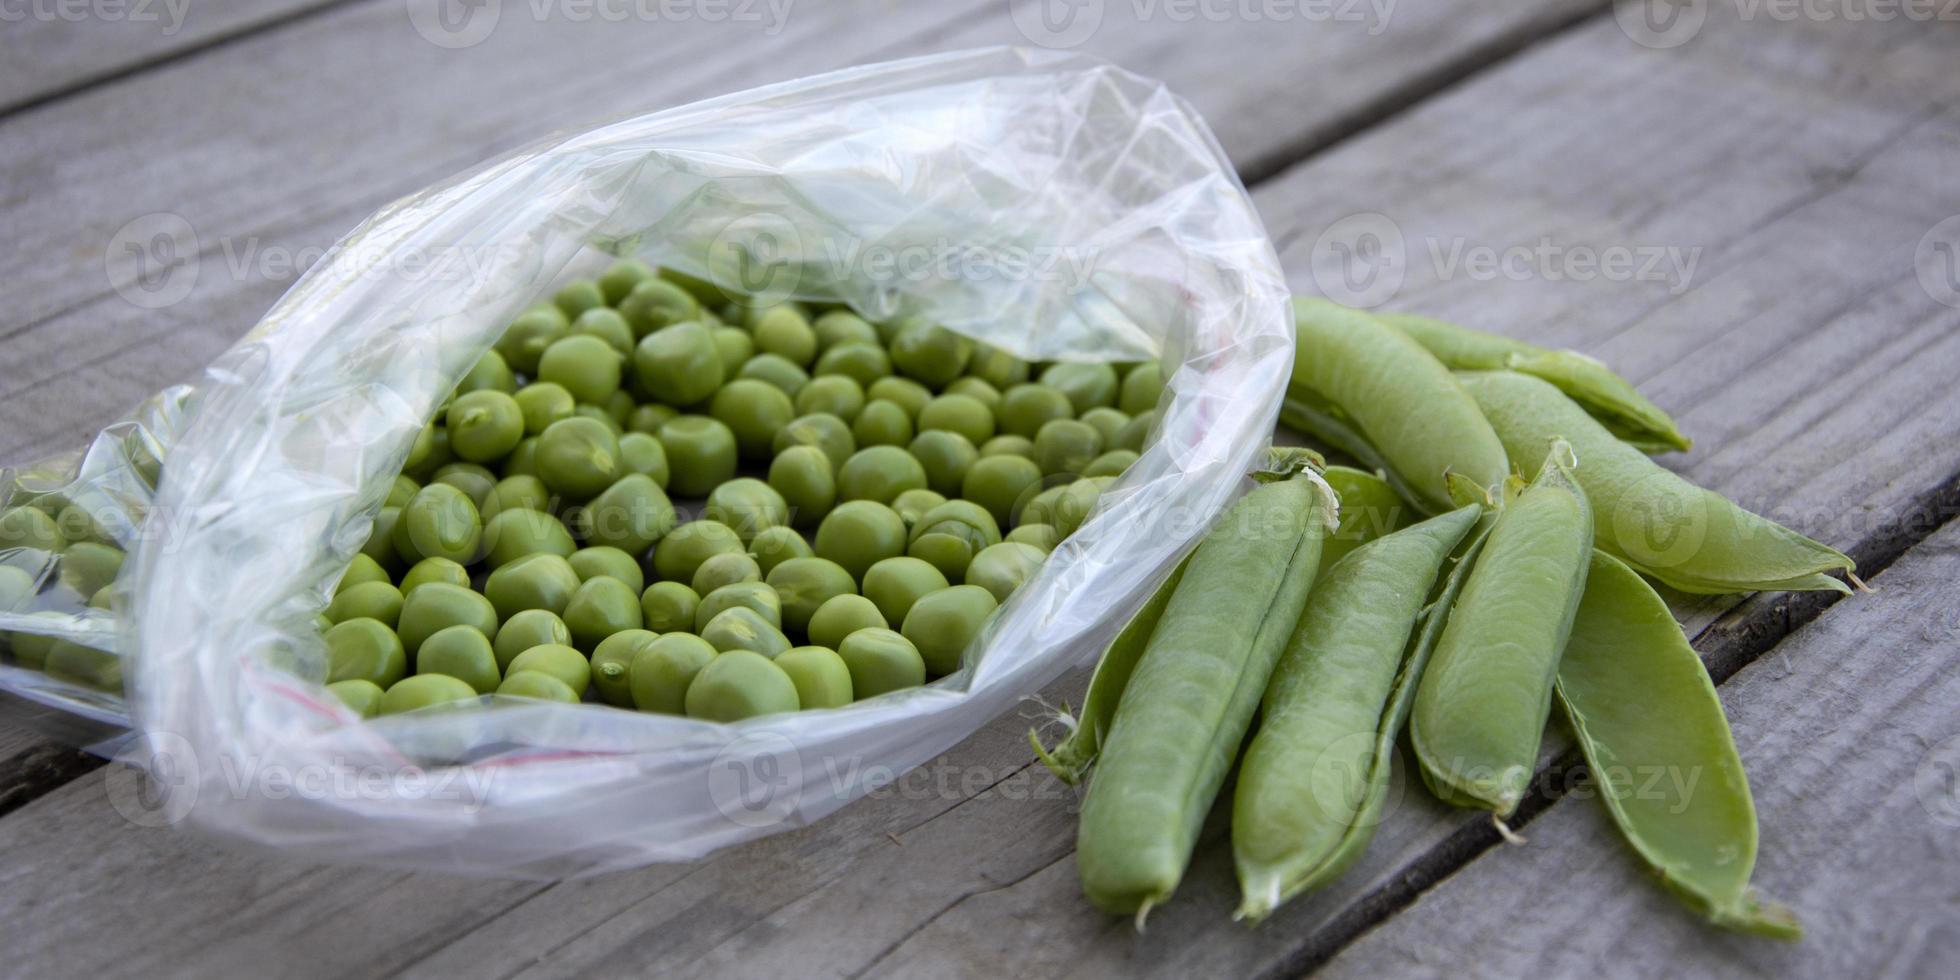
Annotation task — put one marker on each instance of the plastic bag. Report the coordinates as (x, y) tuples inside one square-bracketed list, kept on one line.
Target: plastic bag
[(1053, 206)]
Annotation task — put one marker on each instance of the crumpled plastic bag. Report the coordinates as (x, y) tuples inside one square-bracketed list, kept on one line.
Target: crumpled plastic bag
[(1048, 204)]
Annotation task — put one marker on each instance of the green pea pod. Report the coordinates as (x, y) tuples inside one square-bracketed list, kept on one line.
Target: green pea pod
[(1605, 395), (1370, 508), (1481, 706), (1313, 780), (1193, 693), (1370, 378), (1072, 757), (1651, 727), (1692, 539)]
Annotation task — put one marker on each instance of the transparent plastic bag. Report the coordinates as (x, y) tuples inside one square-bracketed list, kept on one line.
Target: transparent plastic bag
[(1061, 209)]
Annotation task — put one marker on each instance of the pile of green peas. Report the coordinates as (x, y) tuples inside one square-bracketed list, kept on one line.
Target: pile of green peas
[(858, 499), (57, 557)]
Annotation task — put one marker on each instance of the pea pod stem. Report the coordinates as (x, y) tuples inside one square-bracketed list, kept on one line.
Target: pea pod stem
[(1313, 781), (1192, 694), (1641, 702)]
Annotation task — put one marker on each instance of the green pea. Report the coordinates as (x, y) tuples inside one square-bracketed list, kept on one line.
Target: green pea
[(524, 343), (1065, 507), (742, 628), (757, 597), (537, 686), (363, 697), (804, 585), (1107, 422), (1025, 408), (431, 452), (515, 533), (821, 677), (654, 305), (648, 418), (490, 373), (1135, 433), (949, 553), (930, 353), (997, 483), (535, 581), (612, 665), (1066, 446), (439, 605), (903, 392), (365, 649), (1086, 385), (1008, 445), (1315, 774), (631, 515), (586, 366), (30, 649), (1480, 708), (701, 452), (600, 607), (1042, 537), (440, 522), (842, 615), (645, 455), (1685, 536), (542, 403), (667, 607), (881, 661), (862, 362), (733, 345), (773, 546), (360, 571), (978, 390), (577, 296), (463, 653), (775, 371), (748, 505), (859, 534), (380, 544), (879, 473), (608, 326), (601, 414), (578, 457), (843, 326), (679, 365), (945, 456), (1142, 388), (966, 517), (1002, 568), (826, 432), (620, 279), (372, 600), (606, 560), (562, 662), (88, 568), (680, 554), (802, 479), (894, 584), (729, 568), (782, 330), (1113, 463), (527, 629), (963, 414), (401, 491), (882, 423), (474, 480), (663, 669), (943, 624), (914, 504), (739, 684), (522, 461), (996, 367), (832, 394), (425, 691)]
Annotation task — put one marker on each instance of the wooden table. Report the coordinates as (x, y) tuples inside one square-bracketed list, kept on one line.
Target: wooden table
[(1793, 178)]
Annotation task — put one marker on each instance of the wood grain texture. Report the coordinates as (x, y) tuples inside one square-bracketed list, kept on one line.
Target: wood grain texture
[(1849, 735), (57, 48), (269, 157)]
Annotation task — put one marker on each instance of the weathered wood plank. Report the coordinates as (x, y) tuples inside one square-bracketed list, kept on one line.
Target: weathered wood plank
[(1849, 735), (56, 48), (243, 163)]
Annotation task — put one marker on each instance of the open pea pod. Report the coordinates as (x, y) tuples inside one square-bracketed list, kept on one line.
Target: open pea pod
[(1312, 784), (1372, 391), (1692, 539), (1370, 509), (1653, 733), (1605, 395)]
